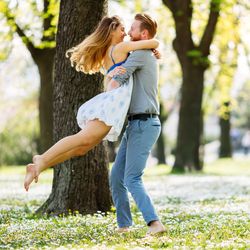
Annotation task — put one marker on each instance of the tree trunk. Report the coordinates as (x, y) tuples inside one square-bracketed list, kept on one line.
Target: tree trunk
[(190, 121), (160, 149), (194, 61), (225, 140), (80, 184), (111, 151), (45, 61)]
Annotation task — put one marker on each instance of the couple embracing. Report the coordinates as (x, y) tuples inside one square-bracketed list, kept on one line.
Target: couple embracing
[(131, 92)]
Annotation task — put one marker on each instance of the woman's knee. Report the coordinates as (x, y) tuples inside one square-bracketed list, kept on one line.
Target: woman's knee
[(85, 140), (79, 151)]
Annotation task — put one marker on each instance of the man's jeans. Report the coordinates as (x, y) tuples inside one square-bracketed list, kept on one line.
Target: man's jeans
[(126, 173)]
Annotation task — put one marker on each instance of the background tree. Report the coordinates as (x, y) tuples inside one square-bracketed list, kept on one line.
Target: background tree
[(228, 63), (229, 43), (160, 144), (38, 35), (218, 99), (193, 58), (19, 128), (80, 184)]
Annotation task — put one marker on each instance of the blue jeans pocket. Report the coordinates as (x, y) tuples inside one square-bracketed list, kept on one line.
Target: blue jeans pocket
[(142, 125), (156, 123)]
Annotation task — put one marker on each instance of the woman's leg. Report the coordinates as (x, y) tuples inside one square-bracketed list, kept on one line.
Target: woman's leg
[(87, 138), (67, 147), (32, 171), (65, 156)]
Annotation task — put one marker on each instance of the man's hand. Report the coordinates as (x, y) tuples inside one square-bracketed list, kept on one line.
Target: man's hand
[(157, 53), (112, 85), (119, 70)]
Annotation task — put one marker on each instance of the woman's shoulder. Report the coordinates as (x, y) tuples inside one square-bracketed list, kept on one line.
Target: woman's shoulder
[(118, 53)]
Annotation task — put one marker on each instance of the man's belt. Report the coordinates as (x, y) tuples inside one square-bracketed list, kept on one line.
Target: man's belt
[(143, 117)]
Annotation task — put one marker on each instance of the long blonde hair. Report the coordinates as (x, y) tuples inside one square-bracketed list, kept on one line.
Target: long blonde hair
[(89, 54)]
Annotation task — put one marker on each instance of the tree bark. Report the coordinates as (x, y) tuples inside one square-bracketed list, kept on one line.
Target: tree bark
[(111, 146), (190, 126), (225, 140), (81, 183)]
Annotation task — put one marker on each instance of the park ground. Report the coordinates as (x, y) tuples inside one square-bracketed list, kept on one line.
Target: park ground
[(210, 210)]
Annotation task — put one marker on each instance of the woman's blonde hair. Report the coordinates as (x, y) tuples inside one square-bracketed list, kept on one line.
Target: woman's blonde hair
[(89, 54)]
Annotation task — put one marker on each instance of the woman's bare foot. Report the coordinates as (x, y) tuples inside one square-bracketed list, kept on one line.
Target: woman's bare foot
[(31, 174), (156, 227)]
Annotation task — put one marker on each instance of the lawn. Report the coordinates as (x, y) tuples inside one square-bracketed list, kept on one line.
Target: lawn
[(210, 210)]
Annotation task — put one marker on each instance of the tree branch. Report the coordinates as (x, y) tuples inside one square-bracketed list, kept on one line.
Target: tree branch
[(47, 21), (208, 34), (20, 32), (182, 11), (169, 4), (27, 41)]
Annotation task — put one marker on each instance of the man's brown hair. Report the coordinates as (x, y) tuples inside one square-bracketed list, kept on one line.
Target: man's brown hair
[(147, 23)]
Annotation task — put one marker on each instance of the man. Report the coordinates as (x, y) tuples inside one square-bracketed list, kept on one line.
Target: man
[(141, 133)]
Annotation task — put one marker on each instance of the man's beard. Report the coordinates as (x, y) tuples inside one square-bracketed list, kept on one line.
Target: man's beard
[(134, 39)]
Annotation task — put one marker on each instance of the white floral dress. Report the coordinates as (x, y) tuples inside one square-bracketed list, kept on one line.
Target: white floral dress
[(111, 107)]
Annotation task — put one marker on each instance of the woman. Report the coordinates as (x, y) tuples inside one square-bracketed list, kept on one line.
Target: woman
[(103, 49)]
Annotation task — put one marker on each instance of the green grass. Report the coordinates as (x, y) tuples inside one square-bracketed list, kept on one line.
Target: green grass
[(18, 170), (229, 167), (21, 229), (208, 223), (223, 167)]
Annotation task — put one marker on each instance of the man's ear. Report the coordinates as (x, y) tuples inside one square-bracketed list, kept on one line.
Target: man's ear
[(145, 34)]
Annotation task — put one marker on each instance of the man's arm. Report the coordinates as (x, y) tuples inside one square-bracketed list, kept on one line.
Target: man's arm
[(135, 61)]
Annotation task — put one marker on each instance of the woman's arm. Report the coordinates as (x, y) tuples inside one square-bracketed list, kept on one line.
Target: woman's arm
[(109, 84), (125, 47), (112, 85)]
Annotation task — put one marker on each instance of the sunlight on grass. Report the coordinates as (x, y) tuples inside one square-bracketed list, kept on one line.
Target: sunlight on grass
[(218, 167), (158, 170), (19, 170), (229, 167), (12, 170)]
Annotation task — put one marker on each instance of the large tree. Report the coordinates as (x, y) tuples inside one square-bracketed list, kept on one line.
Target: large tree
[(38, 35), (81, 183), (193, 58)]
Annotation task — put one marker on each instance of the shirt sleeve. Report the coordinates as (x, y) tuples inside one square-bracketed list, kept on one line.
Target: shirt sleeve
[(135, 61)]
